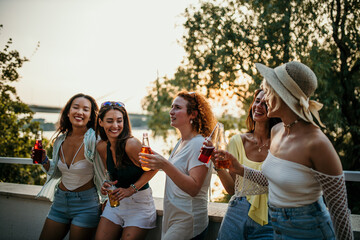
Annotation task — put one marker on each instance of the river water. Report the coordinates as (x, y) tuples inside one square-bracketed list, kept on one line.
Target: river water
[(158, 144)]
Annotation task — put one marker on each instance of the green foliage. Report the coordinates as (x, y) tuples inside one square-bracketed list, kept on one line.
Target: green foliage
[(157, 103), (225, 38), (17, 131)]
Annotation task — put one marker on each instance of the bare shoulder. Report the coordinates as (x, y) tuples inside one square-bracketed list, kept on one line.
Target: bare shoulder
[(246, 137), (132, 149), (322, 153), (133, 144), (101, 146)]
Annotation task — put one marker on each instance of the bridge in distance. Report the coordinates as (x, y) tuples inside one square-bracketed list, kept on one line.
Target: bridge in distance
[(136, 119)]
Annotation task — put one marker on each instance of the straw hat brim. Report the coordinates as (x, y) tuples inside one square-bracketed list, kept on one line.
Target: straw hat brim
[(273, 80)]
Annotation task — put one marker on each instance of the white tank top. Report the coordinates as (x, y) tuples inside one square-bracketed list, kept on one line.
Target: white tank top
[(77, 174), (290, 184)]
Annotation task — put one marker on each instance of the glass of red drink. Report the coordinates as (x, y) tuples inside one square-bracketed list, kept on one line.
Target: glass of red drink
[(206, 151), (205, 154)]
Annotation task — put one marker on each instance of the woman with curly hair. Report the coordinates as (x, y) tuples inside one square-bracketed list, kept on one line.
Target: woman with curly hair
[(187, 179)]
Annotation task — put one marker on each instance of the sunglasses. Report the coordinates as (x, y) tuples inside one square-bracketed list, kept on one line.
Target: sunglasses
[(112, 103)]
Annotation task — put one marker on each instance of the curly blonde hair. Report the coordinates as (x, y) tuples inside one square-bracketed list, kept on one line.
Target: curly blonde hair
[(205, 121)]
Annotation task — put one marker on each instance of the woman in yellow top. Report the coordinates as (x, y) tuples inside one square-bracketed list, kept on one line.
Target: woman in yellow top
[(247, 216)]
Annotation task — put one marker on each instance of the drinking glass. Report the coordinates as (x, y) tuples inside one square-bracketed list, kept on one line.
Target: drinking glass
[(206, 151), (220, 144)]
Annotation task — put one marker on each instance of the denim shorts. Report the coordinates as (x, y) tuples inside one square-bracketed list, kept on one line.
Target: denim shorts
[(238, 225), (81, 209), (308, 222)]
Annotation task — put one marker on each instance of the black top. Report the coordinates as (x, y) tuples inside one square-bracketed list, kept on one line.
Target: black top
[(126, 175)]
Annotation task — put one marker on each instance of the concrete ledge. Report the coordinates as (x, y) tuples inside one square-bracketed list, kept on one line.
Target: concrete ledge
[(19, 207), (22, 214)]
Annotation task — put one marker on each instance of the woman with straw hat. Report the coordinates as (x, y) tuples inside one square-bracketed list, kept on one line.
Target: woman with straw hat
[(302, 165)]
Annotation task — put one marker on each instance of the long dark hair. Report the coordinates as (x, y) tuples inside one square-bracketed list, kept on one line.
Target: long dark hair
[(123, 136), (65, 124), (250, 123)]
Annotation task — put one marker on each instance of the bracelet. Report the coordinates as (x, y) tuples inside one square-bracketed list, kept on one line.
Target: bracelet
[(215, 168), (45, 161), (134, 187)]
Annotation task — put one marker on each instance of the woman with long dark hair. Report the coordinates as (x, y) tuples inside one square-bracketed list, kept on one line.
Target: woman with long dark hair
[(119, 151), (75, 173)]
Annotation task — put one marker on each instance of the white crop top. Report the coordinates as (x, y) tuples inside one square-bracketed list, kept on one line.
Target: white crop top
[(290, 184), (77, 174)]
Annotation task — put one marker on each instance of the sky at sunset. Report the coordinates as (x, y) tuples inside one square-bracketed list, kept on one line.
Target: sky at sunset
[(109, 49)]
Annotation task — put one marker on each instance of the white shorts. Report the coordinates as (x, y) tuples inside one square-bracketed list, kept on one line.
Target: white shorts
[(135, 211)]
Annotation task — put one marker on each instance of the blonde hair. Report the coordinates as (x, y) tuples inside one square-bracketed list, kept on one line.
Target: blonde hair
[(271, 96), (205, 120)]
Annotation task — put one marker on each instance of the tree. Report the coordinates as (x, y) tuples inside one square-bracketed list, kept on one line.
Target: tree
[(224, 39), (17, 131)]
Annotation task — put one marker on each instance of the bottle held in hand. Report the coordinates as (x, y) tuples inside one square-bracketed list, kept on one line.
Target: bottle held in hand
[(145, 149), (38, 149), (113, 201)]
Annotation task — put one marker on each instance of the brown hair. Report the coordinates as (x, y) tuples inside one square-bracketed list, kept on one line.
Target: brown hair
[(122, 138), (250, 123), (205, 120)]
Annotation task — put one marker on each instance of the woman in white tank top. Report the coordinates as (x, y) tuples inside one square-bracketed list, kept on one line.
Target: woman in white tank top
[(75, 173), (302, 164)]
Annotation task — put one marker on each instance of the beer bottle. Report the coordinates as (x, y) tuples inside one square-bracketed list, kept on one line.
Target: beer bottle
[(38, 149), (145, 149)]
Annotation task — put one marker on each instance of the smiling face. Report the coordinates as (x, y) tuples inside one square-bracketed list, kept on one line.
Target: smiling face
[(178, 113), (273, 101), (79, 112), (259, 109), (112, 123)]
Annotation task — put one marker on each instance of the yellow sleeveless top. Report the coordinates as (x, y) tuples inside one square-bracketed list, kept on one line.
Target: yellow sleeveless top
[(259, 208)]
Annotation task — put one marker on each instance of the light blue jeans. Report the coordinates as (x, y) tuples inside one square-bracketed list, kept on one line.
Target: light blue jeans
[(78, 208), (308, 222), (238, 225)]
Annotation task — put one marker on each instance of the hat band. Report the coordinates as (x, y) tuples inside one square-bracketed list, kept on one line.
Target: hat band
[(308, 106)]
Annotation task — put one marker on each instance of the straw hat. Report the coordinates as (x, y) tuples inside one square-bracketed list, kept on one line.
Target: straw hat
[(294, 82)]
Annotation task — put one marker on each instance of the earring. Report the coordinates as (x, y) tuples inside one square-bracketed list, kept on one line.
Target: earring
[(191, 121)]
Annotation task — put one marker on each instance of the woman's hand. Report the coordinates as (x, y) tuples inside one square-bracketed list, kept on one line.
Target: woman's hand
[(152, 161), (235, 166), (105, 186), (208, 142), (43, 156), (121, 193)]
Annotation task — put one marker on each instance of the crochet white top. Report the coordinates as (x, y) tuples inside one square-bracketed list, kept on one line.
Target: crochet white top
[(290, 184)]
